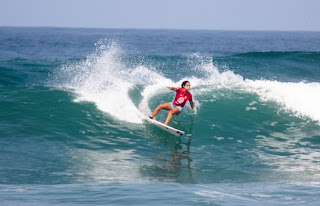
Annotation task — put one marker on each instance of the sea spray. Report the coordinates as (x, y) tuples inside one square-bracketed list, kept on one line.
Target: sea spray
[(103, 79)]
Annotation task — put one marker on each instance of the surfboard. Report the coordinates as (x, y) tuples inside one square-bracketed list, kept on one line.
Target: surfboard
[(164, 127)]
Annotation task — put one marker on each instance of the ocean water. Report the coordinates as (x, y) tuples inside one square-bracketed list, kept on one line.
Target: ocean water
[(72, 104)]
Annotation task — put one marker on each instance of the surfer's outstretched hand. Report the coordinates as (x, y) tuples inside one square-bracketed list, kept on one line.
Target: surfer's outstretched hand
[(172, 88)]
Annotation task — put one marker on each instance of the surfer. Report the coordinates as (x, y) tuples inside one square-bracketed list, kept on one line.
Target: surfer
[(176, 107)]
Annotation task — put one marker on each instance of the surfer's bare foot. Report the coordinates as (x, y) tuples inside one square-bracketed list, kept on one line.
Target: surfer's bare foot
[(150, 117)]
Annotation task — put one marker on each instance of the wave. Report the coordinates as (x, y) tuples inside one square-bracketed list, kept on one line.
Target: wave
[(276, 54), (106, 79)]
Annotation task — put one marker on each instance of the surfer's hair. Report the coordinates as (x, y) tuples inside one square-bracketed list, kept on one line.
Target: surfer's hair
[(184, 83)]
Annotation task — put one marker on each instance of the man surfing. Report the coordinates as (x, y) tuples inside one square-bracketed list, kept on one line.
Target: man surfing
[(176, 107)]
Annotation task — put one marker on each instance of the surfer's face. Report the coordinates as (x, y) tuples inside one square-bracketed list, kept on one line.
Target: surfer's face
[(187, 86)]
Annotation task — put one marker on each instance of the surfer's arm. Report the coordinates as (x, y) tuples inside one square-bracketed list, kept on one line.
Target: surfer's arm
[(172, 88), (192, 105)]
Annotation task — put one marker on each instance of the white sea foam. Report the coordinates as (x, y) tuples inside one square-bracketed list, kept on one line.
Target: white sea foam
[(301, 99)]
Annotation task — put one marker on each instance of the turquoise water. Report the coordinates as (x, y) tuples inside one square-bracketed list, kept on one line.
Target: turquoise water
[(72, 130)]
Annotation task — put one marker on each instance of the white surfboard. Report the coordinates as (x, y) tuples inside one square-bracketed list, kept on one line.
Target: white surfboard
[(167, 128)]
